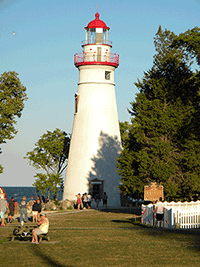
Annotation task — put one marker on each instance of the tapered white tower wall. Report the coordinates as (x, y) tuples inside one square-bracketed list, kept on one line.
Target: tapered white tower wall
[(95, 142)]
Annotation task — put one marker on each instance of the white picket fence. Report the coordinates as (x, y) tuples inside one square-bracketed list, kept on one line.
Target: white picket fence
[(188, 218), (193, 205), (180, 215)]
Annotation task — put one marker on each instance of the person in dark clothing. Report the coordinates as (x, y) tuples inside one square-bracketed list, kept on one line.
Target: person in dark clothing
[(35, 210), (12, 206), (105, 198), (43, 199), (39, 207)]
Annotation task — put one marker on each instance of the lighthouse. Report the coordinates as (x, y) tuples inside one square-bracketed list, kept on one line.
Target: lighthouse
[(95, 141)]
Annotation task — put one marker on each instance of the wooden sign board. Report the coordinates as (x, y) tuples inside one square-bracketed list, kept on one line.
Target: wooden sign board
[(153, 192)]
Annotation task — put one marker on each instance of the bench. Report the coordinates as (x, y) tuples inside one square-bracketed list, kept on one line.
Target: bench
[(24, 233), (43, 236)]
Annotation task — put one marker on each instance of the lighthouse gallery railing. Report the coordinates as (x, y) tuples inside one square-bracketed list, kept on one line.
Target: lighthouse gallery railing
[(92, 58)]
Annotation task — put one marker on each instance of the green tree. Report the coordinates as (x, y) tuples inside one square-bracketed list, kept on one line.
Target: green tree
[(163, 117), (50, 155), (189, 40), (124, 132), (12, 98)]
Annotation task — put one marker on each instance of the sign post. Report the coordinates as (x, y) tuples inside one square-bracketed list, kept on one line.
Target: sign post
[(153, 192)]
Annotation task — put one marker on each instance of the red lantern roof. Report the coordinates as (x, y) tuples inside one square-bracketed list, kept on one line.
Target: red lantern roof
[(97, 23)]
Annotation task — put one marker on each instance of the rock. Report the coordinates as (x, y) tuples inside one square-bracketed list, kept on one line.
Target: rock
[(67, 204), (52, 205), (47, 206)]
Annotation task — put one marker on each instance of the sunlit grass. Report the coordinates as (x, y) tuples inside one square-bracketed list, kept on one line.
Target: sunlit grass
[(94, 238)]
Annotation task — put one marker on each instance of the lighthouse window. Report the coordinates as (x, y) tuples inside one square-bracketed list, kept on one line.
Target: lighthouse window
[(76, 102), (99, 36), (107, 75)]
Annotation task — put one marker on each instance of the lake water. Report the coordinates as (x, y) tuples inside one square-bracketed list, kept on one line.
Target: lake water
[(29, 191)]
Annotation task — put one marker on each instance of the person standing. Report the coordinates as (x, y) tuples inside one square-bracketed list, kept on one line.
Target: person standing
[(23, 211), (105, 197), (85, 199), (12, 208), (35, 210), (43, 199), (159, 211), (39, 207), (89, 201), (79, 201), (3, 207), (97, 200)]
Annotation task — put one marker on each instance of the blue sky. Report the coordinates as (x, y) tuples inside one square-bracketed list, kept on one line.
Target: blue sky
[(48, 34)]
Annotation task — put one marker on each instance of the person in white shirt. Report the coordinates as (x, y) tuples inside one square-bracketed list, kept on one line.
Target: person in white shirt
[(43, 228), (89, 200), (159, 211)]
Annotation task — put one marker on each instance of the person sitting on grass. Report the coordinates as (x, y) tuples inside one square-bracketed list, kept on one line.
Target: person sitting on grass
[(43, 228)]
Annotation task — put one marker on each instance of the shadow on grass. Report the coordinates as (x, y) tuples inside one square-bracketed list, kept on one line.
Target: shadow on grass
[(49, 261), (128, 210), (124, 221), (192, 243)]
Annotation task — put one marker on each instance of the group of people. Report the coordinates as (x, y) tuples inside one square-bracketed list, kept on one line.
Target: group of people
[(36, 209), (85, 200), (38, 217), (11, 207)]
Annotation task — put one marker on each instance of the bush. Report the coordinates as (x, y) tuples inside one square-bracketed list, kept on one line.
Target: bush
[(57, 202)]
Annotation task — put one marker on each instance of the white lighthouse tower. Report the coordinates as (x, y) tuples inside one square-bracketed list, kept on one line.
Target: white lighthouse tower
[(95, 141)]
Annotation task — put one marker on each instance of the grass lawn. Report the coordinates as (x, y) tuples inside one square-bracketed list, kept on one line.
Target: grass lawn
[(95, 238)]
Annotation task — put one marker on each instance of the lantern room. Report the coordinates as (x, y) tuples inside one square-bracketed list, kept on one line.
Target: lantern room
[(96, 47), (96, 32)]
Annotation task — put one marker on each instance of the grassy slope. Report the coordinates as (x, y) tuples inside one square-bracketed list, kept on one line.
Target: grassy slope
[(101, 239)]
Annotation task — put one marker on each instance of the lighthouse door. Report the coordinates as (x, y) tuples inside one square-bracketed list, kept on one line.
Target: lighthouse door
[(98, 53), (96, 189)]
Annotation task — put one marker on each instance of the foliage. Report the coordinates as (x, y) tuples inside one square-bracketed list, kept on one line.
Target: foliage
[(50, 155), (12, 98), (163, 145), (189, 40), (124, 130)]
